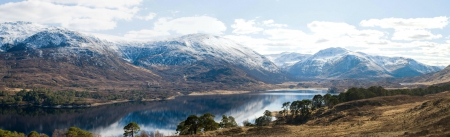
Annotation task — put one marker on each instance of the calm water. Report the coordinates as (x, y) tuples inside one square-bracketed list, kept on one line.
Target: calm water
[(163, 116)]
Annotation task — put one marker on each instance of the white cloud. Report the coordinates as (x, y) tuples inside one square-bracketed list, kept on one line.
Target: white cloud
[(145, 34), (189, 25), (414, 35), (257, 44), (410, 29), (368, 34), (98, 3), (241, 26), (174, 12), (86, 16), (285, 34), (337, 34), (150, 16), (324, 35), (330, 27), (181, 26), (270, 23), (412, 23), (338, 31)]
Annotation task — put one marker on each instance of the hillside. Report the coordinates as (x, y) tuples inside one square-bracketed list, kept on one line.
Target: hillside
[(199, 57), (381, 116), (438, 77), (38, 56)]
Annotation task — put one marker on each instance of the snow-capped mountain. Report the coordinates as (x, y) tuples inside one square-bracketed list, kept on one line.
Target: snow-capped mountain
[(73, 58), (342, 63), (12, 32), (200, 50), (286, 59), (27, 35), (197, 47)]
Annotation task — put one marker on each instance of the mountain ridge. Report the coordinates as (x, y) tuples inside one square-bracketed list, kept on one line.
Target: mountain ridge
[(342, 63), (34, 55)]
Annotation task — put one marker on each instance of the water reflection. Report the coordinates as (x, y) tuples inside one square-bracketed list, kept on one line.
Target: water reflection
[(151, 116)]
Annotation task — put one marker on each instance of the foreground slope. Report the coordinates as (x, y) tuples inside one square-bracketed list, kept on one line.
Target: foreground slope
[(399, 115)]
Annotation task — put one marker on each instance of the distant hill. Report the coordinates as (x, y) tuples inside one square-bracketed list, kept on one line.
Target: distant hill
[(338, 63), (286, 59), (442, 76)]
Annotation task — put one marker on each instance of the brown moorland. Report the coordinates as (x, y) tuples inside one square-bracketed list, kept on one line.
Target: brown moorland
[(400, 115)]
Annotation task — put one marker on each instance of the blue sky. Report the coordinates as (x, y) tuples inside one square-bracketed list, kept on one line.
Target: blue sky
[(410, 28)]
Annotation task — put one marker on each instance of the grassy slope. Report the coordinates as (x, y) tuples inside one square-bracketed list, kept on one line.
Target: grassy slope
[(381, 116)]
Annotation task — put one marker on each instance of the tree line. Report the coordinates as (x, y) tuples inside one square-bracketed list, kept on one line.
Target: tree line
[(48, 97), (363, 93), (130, 130), (196, 124), (299, 111), (71, 132)]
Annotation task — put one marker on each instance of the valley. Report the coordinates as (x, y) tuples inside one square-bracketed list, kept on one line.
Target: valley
[(39, 57), (70, 78)]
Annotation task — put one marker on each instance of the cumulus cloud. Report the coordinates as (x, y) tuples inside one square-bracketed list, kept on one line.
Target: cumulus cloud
[(189, 25), (335, 28), (337, 34), (323, 35), (414, 35), (412, 23), (145, 34), (271, 23), (180, 26), (410, 29), (81, 15), (285, 34), (98, 3), (241, 26), (257, 44), (150, 16)]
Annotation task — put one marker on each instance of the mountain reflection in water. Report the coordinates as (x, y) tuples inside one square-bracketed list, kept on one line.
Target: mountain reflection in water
[(151, 116)]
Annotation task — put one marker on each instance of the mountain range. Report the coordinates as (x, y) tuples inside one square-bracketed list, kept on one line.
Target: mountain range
[(286, 59), (39, 56), (340, 63), (34, 55)]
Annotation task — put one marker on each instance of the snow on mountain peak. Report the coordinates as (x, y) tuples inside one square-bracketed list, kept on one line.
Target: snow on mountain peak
[(41, 36), (286, 59), (340, 62), (12, 32), (192, 48), (332, 51)]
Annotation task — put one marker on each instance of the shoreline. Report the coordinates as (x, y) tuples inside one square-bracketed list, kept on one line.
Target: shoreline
[(298, 89), (88, 105), (219, 92), (214, 92), (232, 92)]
